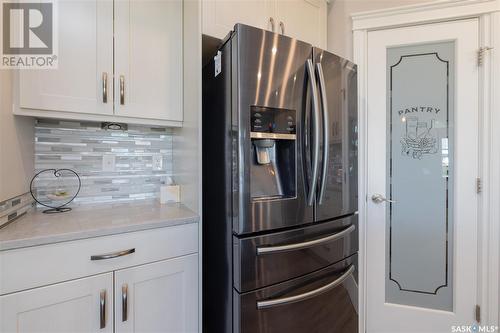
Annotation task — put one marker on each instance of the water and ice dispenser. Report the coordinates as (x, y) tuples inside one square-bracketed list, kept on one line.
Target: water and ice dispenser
[(273, 151)]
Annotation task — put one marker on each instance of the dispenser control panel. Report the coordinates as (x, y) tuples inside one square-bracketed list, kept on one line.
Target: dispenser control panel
[(273, 120)]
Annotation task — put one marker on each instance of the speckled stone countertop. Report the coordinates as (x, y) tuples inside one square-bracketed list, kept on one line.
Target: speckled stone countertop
[(37, 228)]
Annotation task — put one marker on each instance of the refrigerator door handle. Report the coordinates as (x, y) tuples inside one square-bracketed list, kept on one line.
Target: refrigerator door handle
[(306, 244), (324, 107), (315, 130), (300, 297)]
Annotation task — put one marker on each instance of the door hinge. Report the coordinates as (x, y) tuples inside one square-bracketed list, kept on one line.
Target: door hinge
[(479, 185), (478, 313), (480, 54)]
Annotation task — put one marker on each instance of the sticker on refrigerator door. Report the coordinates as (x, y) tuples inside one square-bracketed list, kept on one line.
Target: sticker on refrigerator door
[(218, 65)]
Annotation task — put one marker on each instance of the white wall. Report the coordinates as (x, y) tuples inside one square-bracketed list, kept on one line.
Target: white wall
[(187, 140), (16, 144), (340, 24)]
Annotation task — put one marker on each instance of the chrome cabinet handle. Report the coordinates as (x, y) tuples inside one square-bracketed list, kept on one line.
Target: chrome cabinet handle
[(292, 299), (122, 90), (112, 255), (282, 27), (124, 302), (324, 104), (104, 87), (271, 20), (102, 309), (379, 198), (315, 123), (303, 245)]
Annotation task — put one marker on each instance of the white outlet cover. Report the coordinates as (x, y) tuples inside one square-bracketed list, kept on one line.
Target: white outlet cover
[(109, 163), (157, 162)]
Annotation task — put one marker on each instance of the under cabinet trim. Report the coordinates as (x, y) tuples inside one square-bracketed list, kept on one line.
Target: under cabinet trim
[(94, 117)]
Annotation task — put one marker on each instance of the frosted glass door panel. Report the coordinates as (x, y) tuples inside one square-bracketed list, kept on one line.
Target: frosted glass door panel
[(419, 230)]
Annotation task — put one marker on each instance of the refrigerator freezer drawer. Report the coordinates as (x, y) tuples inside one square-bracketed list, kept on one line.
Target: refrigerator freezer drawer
[(260, 261), (325, 301)]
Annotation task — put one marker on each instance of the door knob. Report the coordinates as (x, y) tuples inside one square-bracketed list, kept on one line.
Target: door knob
[(379, 198)]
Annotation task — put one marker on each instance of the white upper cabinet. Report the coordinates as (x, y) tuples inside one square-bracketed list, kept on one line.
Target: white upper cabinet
[(85, 59), (118, 61), (148, 59), (301, 19), (220, 16)]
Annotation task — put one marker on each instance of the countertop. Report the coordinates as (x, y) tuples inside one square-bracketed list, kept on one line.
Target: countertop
[(37, 228)]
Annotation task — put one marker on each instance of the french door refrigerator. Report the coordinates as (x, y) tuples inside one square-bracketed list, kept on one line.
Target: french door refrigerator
[(280, 221)]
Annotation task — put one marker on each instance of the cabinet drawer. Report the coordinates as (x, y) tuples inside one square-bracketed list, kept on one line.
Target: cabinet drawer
[(42, 265)]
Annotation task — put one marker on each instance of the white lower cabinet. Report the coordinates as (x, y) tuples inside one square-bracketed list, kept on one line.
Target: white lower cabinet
[(83, 305), (145, 281), (158, 297)]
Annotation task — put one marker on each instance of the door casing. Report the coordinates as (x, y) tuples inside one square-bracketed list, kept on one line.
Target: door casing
[(488, 13)]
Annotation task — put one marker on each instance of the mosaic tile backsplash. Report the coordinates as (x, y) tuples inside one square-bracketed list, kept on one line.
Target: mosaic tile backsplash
[(81, 146), (14, 208)]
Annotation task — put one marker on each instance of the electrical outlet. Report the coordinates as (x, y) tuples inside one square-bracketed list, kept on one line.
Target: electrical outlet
[(108, 163), (157, 162)]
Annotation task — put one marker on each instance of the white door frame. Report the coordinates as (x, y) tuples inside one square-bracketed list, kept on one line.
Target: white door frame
[(488, 12)]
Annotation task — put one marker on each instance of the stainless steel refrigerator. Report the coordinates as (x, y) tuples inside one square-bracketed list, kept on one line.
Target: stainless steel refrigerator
[(280, 222)]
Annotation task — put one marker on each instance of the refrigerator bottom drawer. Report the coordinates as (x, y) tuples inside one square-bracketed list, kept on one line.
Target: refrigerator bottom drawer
[(264, 260), (325, 301)]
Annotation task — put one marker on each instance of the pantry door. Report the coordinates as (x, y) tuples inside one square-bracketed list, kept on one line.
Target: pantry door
[(422, 166)]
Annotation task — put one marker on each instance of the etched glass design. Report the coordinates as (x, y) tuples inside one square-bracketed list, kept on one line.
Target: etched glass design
[(419, 224)]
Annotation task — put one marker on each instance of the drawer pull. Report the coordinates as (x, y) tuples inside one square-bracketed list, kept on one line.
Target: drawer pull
[(286, 300), (102, 309), (303, 245), (112, 255)]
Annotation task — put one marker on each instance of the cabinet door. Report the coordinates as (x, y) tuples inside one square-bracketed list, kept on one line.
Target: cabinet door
[(304, 20), (220, 16), (148, 59), (158, 297), (85, 58), (73, 306)]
